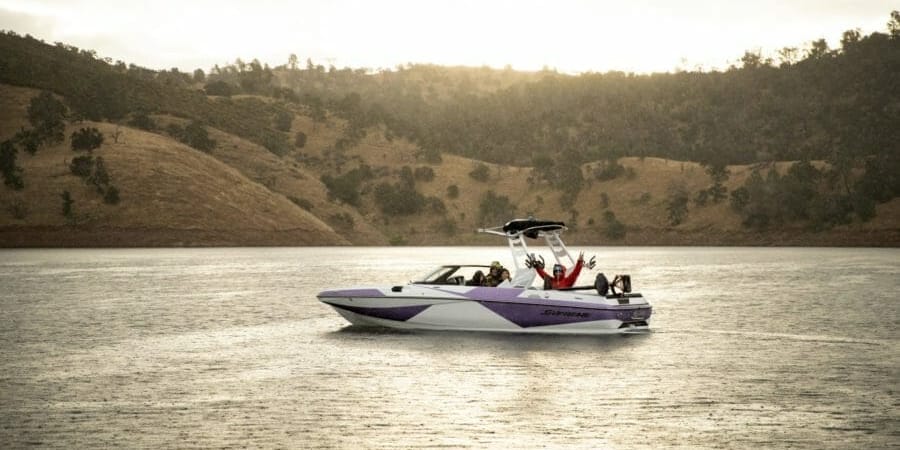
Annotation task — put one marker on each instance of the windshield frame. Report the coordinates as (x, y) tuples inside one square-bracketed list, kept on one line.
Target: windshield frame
[(446, 274)]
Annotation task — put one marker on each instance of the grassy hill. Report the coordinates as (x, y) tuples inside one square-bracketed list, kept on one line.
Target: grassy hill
[(425, 155), (241, 194), (170, 193), (638, 201)]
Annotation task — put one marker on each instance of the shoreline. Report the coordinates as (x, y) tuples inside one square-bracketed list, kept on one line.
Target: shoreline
[(100, 237)]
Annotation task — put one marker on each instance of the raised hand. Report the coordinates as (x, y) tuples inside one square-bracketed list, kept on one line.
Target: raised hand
[(533, 263)]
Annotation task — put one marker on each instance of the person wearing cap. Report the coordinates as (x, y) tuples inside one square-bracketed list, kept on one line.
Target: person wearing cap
[(493, 277), (559, 279)]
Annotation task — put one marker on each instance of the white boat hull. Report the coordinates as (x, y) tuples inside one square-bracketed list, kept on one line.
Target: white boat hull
[(490, 309)]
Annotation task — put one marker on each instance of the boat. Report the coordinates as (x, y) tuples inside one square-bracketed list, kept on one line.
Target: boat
[(442, 300)]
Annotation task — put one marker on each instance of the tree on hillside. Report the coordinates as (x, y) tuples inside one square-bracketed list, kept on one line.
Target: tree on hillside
[(67, 210), (87, 139), (543, 168), (257, 79), (111, 196), (407, 178), (283, 120), (612, 228), (608, 169), (806, 194), (199, 76), (82, 166), (346, 187), (894, 24), (47, 115), (424, 173), (818, 49), (568, 179), (716, 192), (753, 60), (431, 155), (30, 140), (881, 182), (300, 139), (101, 95), (140, 119), (195, 135), (399, 199), (481, 172), (12, 173), (275, 142), (316, 109), (788, 56), (494, 209), (100, 176), (677, 203), (796, 190), (219, 88)]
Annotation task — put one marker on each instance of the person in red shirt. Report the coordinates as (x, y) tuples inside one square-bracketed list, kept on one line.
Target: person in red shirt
[(559, 278)]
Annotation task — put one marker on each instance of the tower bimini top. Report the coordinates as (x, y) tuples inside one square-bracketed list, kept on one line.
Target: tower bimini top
[(532, 228)]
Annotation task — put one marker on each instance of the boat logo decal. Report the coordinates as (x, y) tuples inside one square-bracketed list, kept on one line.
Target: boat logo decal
[(556, 312)]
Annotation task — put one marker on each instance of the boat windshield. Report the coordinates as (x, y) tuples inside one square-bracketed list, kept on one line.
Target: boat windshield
[(456, 274)]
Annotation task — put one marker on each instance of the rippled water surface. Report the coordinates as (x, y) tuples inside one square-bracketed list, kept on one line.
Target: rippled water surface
[(184, 348)]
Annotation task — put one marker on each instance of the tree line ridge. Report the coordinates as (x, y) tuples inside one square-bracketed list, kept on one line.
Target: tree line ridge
[(832, 112)]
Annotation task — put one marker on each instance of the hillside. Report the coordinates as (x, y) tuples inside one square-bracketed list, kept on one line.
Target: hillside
[(639, 202), (239, 194), (172, 195), (426, 155)]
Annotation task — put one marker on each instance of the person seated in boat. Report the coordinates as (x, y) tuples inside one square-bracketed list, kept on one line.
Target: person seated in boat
[(477, 279), (493, 276), (505, 279), (559, 279)]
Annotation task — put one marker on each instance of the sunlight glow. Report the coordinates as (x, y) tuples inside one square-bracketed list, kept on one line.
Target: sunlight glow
[(569, 35)]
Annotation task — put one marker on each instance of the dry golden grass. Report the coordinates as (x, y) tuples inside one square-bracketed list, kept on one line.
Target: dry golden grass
[(163, 185), (14, 108), (639, 202), (285, 177), (240, 194)]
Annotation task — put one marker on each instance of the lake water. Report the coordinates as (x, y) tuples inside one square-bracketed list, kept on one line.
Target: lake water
[(151, 348)]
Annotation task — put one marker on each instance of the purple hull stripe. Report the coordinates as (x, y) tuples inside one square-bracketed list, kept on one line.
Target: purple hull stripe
[(352, 293), (515, 295), (398, 313), (527, 316)]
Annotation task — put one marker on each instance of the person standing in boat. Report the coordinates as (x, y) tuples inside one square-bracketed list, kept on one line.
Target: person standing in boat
[(559, 279)]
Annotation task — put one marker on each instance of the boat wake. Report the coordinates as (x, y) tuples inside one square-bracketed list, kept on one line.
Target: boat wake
[(768, 336)]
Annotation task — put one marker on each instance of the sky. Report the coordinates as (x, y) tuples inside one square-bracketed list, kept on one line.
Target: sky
[(571, 36)]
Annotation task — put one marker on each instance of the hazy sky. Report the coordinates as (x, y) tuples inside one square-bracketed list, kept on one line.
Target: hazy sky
[(570, 35)]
